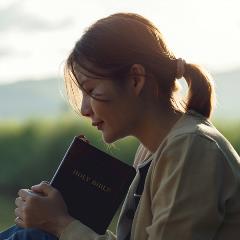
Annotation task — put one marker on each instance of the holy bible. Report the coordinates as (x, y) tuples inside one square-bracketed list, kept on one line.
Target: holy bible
[(93, 184)]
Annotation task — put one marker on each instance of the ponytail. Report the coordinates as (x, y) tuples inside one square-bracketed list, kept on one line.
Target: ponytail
[(201, 93)]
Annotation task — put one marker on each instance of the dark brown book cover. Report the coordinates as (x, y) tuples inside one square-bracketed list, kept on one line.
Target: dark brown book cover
[(92, 183)]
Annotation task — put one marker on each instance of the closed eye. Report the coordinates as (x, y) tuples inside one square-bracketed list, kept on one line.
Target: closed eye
[(95, 95)]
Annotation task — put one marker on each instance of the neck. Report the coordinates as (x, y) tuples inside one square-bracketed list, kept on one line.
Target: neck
[(155, 126)]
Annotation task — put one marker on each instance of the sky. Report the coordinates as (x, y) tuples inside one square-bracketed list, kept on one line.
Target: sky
[(36, 36)]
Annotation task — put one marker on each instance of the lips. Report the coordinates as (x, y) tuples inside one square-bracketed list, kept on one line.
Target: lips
[(98, 124)]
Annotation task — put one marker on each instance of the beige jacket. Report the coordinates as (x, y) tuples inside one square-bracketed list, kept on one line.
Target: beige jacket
[(192, 189)]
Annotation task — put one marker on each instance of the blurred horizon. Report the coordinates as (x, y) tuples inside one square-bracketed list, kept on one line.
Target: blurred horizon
[(46, 98), (37, 36)]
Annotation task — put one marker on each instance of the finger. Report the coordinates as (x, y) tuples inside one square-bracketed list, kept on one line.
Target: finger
[(19, 202), (38, 185), (36, 188), (43, 187), (35, 193), (45, 182), (24, 193), (18, 212), (19, 222)]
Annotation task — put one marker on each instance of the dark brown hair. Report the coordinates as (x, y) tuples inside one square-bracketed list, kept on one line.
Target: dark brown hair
[(109, 48)]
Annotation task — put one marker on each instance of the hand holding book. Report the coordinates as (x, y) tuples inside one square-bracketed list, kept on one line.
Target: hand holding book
[(43, 208)]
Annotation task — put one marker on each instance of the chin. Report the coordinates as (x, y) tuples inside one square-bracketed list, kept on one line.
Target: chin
[(110, 138)]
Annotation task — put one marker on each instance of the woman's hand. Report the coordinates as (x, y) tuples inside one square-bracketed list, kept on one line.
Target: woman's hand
[(42, 207)]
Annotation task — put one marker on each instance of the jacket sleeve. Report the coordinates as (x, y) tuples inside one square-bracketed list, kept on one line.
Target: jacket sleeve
[(190, 185), (78, 231)]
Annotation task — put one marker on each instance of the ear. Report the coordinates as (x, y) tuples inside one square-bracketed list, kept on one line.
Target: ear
[(137, 78)]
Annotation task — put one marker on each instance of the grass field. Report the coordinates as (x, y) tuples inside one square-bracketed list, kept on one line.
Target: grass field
[(7, 212)]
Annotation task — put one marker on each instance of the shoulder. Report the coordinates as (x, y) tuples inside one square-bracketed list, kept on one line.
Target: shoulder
[(192, 148), (190, 159), (192, 132), (196, 130), (194, 143)]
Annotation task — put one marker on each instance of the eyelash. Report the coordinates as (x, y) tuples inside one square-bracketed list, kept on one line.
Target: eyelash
[(94, 96), (90, 93)]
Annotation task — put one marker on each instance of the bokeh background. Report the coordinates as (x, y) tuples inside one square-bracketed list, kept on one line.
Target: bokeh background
[(36, 122)]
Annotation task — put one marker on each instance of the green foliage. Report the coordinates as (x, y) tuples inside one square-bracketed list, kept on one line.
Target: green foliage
[(230, 129), (6, 212), (30, 152)]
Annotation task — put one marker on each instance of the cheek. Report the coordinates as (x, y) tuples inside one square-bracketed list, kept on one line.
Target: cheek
[(120, 118), (117, 115), (99, 108), (118, 122)]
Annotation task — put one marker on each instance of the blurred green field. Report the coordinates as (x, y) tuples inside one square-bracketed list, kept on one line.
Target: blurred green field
[(31, 151), (6, 211)]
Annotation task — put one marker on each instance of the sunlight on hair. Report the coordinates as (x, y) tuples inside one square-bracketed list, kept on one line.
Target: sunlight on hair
[(73, 91)]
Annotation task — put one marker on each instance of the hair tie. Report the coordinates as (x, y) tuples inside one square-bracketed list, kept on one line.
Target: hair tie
[(180, 68)]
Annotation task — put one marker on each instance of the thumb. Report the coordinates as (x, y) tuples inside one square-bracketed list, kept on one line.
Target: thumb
[(43, 187)]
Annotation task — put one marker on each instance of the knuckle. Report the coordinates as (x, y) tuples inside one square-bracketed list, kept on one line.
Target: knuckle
[(16, 211), (17, 200), (18, 222)]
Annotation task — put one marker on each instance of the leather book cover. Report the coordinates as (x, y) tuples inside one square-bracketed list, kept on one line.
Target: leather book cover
[(92, 183)]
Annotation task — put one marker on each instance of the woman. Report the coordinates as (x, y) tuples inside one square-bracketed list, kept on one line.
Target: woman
[(126, 75)]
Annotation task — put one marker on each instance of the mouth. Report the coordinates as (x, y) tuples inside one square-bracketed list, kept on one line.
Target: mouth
[(99, 125)]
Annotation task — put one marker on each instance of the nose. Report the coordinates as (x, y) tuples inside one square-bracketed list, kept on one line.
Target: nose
[(86, 109)]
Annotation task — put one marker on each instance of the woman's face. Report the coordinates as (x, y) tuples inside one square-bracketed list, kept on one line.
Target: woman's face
[(109, 106)]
